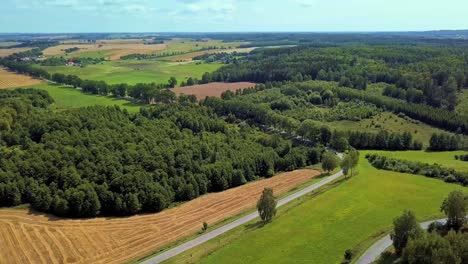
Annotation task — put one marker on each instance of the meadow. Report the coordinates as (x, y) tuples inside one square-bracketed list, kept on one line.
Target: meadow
[(67, 97), (390, 122), (137, 71), (321, 227)]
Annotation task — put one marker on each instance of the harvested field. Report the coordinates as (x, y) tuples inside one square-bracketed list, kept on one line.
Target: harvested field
[(112, 50), (211, 89), (190, 56), (11, 80), (28, 237), (7, 52)]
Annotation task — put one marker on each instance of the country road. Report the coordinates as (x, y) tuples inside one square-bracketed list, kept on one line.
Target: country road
[(373, 253), (221, 230)]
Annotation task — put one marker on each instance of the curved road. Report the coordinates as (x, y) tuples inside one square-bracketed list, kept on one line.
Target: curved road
[(210, 235), (374, 252)]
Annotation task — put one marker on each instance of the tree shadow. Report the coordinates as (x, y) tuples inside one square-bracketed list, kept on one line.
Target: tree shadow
[(256, 225)]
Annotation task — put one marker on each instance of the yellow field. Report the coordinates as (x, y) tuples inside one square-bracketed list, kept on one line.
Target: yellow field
[(11, 80), (6, 52), (28, 237)]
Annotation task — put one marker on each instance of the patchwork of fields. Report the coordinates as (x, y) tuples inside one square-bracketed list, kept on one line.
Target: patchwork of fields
[(320, 228), (31, 237)]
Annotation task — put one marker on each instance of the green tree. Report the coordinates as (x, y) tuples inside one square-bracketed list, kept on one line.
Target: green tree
[(350, 161), (266, 205), (429, 249), (329, 162), (172, 82), (455, 206), (405, 227)]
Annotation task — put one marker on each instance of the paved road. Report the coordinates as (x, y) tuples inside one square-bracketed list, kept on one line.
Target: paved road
[(210, 235), (373, 253)]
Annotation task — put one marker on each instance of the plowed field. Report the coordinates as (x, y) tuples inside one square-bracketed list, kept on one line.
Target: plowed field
[(211, 89), (27, 237)]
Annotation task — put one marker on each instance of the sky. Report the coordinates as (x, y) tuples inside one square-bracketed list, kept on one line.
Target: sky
[(60, 16)]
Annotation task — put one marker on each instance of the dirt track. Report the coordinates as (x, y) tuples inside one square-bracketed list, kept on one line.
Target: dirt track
[(211, 89), (36, 238), (11, 80)]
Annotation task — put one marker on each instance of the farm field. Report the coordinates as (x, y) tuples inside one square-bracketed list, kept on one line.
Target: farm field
[(211, 89), (135, 71), (111, 51), (7, 52), (349, 216), (446, 159), (46, 239), (67, 97), (390, 122), (10, 80), (6, 44)]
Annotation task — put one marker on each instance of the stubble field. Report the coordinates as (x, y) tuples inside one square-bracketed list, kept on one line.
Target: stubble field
[(10, 80), (28, 237)]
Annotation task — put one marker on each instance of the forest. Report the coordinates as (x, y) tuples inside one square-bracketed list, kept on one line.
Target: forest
[(105, 161)]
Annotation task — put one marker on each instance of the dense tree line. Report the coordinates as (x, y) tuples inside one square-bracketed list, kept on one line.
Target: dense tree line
[(428, 75), (60, 61), (420, 168), (445, 142), (223, 57), (383, 140), (105, 161)]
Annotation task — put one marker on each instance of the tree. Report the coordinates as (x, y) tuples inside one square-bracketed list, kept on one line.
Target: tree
[(405, 227), (172, 82), (455, 206), (350, 161), (329, 162), (429, 249), (266, 205)]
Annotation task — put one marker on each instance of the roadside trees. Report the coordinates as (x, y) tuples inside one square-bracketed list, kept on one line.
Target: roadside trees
[(266, 205), (405, 228), (455, 206), (329, 162), (350, 161)]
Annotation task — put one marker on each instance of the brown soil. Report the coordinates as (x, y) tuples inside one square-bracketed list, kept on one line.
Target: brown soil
[(29, 237), (212, 89)]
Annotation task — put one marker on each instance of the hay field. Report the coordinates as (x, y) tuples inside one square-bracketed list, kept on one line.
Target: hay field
[(110, 50), (211, 89), (7, 52), (28, 237), (11, 80)]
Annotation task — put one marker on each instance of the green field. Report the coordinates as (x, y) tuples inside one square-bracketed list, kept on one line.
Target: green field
[(391, 123), (67, 97), (445, 159), (137, 71), (319, 229)]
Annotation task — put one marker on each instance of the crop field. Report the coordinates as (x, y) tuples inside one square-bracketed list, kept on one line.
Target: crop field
[(31, 237), (10, 80), (7, 52), (67, 98), (320, 228), (111, 51), (445, 159), (211, 89), (190, 56), (135, 71), (7, 44)]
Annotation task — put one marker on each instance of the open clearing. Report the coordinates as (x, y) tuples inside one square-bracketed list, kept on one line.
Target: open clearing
[(29, 237), (68, 97), (211, 89), (10, 79), (320, 228), (135, 71), (7, 52)]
